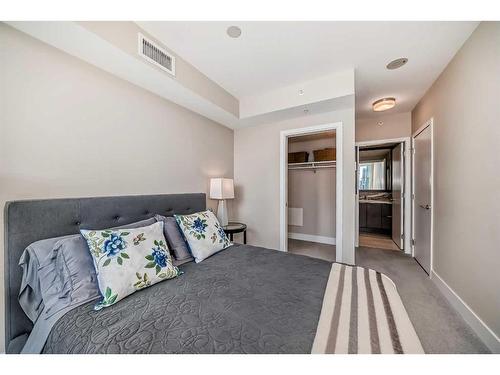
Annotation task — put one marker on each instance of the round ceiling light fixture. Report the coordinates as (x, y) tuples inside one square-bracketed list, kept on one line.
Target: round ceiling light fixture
[(383, 104), (233, 31), (396, 64)]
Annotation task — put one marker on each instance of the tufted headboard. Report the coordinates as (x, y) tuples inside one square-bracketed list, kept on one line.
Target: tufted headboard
[(28, 221)]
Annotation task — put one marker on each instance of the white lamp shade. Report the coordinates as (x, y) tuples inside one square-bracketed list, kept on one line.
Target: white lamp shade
[(221, 188)]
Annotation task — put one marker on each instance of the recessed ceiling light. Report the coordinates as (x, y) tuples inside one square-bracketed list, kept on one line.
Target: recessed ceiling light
[(301, 92), (380, 123), (383, 104), (398, 63), (233, 31), (306, 111)]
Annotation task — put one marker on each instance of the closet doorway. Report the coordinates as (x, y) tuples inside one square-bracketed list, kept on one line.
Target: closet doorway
[(310, 192)]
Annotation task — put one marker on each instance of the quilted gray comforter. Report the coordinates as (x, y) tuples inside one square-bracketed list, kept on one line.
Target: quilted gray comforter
[(244, 299)]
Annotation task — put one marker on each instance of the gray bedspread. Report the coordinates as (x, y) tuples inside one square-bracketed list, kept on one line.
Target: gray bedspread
[(244, 299)]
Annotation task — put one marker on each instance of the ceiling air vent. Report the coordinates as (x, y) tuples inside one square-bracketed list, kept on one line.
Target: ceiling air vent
[(156, 55)]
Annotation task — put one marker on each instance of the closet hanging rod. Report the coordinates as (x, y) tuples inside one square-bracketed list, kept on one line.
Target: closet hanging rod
[(307, 163), (313, 167)]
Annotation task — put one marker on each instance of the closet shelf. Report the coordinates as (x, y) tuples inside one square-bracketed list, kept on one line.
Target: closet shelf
[(313, 165)]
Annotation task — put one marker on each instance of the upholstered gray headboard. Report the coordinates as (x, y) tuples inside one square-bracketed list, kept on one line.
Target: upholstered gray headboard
[(32, 220)]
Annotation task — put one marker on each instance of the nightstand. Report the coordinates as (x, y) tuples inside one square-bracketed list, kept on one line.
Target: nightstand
[(234, 227)]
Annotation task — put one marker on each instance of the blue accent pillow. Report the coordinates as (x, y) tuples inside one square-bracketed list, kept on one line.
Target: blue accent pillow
[(127, 260), (203, 233)]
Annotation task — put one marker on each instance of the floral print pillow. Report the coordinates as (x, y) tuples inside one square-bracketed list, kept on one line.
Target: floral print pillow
[(203, 234), (127, 260)]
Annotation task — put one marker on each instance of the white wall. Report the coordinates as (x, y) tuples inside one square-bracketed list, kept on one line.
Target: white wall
[(464, 102), (71, 130), (396, 125), (257, 177), (314, 192)]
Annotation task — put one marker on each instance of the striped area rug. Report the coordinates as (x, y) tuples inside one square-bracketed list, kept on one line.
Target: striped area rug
[(362, 312)]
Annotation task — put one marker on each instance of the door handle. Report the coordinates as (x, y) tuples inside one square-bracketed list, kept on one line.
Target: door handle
[(426, 207)]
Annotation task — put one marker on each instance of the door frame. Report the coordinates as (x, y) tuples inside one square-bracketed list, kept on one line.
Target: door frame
[(408, 218), (428, 123), (284, 135)]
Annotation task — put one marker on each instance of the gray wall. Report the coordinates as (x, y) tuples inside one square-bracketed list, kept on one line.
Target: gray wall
[(465, 105), (69, 129)]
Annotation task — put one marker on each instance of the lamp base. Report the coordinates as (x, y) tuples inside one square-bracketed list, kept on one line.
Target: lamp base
[(222, 212)]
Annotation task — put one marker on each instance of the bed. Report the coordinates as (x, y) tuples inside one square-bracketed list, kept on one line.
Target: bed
[(244, 299)]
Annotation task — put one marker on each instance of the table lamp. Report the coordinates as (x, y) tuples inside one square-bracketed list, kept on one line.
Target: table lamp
[(222, 189)]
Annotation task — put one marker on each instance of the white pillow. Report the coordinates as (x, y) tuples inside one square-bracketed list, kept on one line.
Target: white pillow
[(127, 260), (203, 234)]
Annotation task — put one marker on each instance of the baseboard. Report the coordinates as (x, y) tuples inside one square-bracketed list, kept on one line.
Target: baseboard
[(312, 238), (484, 332)]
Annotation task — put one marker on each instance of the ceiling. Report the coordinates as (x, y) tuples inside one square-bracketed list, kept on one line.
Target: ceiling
[(271, 55)]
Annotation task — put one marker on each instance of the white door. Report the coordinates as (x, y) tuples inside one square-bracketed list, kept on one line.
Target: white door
[(422, 157), (397, 195)]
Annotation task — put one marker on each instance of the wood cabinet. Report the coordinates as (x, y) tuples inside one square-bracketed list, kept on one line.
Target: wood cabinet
[(375, 218)]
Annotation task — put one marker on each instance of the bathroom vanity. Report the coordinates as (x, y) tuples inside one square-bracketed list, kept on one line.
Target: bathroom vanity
[(375, 215)]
